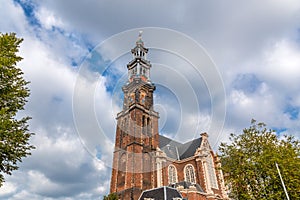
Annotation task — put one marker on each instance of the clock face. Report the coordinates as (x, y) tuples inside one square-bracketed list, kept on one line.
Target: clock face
[(142, 97)]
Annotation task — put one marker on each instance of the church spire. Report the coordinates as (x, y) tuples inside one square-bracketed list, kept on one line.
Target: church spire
[(139, 67)]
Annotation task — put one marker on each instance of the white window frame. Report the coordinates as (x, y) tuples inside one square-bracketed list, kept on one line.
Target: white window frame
[(189, 173), (172, 178)]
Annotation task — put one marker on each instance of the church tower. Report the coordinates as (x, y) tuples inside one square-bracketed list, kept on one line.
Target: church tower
[(137, 131)]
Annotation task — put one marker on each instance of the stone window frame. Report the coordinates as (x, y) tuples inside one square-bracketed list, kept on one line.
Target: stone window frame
[(172, 178), (189, 173)]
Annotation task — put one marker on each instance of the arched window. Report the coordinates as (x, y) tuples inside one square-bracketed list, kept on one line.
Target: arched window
[(189, 173), (122, 170), (146, 170), (122, 131), (172, 172), (143, 125), (149, 127), (211, 172)]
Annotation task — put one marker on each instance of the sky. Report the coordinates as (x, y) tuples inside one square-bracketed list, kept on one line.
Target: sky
[(216, 66)]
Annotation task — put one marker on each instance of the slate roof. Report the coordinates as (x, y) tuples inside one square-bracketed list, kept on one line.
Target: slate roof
[(161, 193), (176, 150)]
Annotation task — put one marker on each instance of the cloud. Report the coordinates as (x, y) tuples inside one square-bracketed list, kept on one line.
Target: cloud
[(48, 19), (7, 189), (281, 65), (230, 30), (15, 22), (269, 92), (60, 167)]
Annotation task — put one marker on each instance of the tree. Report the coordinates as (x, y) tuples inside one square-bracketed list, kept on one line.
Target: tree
[(112, 196), (14, 135), (248, 163)]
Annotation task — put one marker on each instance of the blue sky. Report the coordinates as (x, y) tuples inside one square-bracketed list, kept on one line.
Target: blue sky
[(76, 79)]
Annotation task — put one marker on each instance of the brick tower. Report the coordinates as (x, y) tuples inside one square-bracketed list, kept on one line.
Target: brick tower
[(137, 131)]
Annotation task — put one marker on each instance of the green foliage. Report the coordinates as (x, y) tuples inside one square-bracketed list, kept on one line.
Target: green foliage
[(248, 164), (14, 135), (112, 196)]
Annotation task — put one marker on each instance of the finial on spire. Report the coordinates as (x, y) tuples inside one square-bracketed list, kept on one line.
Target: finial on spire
[(139, 40), (140, 33)]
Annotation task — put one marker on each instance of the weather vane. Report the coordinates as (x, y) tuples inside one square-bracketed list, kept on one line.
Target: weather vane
[(140, 33)]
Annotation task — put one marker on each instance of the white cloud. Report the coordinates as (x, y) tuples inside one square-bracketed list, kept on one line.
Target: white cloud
[(51, 85), (48, 19), (13, 19), (7, 189), (25, 195), (58, 167), (281, 65), (40, 183), (261, 106)]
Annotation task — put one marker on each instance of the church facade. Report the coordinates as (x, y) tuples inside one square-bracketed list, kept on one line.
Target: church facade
[(145, 162)]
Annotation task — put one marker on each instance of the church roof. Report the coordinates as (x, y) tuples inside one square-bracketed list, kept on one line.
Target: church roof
[(161, 193), (176, 150)]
